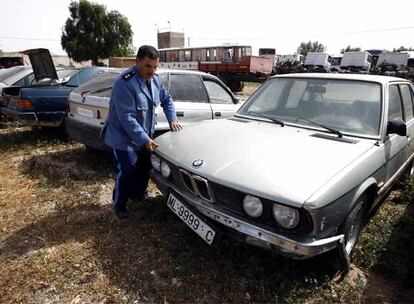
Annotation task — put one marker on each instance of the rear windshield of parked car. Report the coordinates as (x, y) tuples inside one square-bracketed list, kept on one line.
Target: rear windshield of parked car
[(83, 76), (346, 105), (101, 85), (6, 73)]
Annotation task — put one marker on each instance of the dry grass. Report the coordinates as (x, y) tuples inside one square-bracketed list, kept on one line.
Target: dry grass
[(60, 243)]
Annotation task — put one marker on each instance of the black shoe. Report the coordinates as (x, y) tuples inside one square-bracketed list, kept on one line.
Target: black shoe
[(122, 215)]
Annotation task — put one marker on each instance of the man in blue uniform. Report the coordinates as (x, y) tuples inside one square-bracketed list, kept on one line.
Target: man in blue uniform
[(130, 126)]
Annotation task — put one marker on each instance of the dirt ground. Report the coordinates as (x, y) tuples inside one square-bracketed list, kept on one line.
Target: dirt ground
[(61, 243)]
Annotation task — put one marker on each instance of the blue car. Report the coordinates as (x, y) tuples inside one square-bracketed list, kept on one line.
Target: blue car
[(44, 103)]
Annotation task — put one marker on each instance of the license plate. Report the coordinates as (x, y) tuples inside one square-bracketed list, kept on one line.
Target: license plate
[(85, 112), (192, 221)]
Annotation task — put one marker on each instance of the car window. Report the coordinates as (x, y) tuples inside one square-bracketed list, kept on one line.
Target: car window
[(407, 101), (394, 103), (187, 87), (217, 93), (25, 81), (164, 79)]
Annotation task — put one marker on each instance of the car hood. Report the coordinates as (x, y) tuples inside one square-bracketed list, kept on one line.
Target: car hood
[(42, 63), (284, 164)]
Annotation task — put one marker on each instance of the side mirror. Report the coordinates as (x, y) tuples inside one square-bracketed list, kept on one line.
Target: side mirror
[(236, 99), (397, 126)]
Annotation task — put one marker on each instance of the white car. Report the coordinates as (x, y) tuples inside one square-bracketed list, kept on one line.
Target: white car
[(299, 168), (197, 96)]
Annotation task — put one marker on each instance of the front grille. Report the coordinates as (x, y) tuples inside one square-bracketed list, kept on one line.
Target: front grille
[(202, 188), (231, 200), (187, 181), (196, 184)]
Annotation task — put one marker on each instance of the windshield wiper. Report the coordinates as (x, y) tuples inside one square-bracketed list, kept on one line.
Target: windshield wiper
[(96, 91), (268, 117), (334, 131)]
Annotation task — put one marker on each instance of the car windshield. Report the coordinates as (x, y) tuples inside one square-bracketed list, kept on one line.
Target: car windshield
[(348, 106)]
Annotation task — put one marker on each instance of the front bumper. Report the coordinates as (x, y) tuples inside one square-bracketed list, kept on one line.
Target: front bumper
[(40, 119), (294, 248)]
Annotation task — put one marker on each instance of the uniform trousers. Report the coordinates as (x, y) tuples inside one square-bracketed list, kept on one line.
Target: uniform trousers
[(131, 176)]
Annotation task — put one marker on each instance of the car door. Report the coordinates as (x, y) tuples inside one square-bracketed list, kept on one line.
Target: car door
[(221, 101), (408, 102), (190, 100), (395, 145)]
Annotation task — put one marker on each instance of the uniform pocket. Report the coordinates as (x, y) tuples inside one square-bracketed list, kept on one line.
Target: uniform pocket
[(142, 102)]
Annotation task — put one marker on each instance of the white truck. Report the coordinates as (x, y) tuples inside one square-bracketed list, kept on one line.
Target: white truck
[(397, 64), (398, 59), (319, 62), (356, 62), (290, 57)]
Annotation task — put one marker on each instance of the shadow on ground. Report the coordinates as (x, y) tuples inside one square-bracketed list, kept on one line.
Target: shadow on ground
[(78, 164), (28, 136), (391, 279), (155, 256)]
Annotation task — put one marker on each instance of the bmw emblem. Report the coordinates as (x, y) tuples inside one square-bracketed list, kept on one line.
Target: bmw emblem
[(198, 163)]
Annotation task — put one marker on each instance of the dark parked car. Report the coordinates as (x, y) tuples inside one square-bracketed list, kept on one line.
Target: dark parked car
[(45, 102)]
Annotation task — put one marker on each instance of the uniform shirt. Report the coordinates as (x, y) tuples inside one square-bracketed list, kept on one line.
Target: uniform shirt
[(131, 117)]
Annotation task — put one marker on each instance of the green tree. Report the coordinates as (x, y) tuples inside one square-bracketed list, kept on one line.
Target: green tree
[(403, 48), (350, 49), (93, 33), (306, 47)]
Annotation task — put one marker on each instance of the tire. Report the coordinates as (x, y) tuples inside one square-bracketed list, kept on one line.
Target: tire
[(352, 226)]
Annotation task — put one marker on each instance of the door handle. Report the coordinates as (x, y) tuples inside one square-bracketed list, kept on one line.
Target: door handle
[(218, 114), (180, 113)]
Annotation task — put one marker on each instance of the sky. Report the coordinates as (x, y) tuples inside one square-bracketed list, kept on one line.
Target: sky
[(283, 25)]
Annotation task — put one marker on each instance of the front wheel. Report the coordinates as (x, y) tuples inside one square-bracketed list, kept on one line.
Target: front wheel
[(353, 225)]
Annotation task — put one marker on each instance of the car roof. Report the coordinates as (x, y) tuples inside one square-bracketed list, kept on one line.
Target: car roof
[(162, 71), (15, 76), (359, 77)]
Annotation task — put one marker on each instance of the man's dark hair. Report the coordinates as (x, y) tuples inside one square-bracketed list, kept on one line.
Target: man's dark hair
[(147, 51)]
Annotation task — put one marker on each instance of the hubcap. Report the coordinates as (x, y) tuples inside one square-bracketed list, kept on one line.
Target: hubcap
[(353, 232)]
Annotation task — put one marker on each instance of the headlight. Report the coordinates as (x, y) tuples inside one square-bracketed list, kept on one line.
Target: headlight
[(286, 217), (156, 162), (252, 206), (165, 169)]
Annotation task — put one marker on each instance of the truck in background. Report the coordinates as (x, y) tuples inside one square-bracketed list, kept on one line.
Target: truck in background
[(318, 62), (356, 62)]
